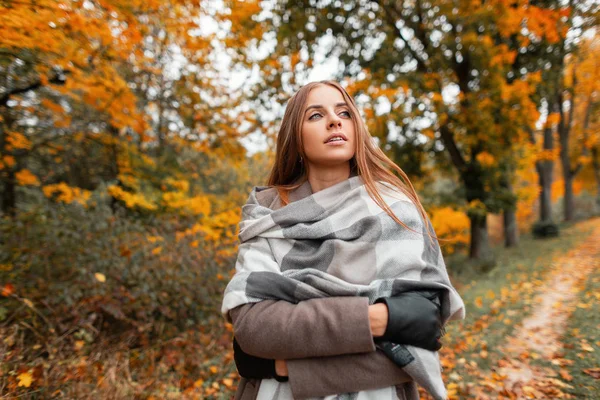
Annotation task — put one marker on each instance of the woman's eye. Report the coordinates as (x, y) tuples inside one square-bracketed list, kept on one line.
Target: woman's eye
[(314, 115), (346, 113)]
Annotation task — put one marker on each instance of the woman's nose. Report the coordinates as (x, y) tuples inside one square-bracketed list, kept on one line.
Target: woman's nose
[(335, 122)]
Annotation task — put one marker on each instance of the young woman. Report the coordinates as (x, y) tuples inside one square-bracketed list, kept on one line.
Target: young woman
[(328, 277)]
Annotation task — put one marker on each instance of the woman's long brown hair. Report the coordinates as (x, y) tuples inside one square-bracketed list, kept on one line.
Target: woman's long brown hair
[(369, 161)]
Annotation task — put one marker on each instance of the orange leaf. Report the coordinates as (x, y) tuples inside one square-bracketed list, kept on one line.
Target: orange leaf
[(228, 382), (199, 383), (565, 375), (593, 372), (25, 379), (8, 289), (586, 347), (479, 302)]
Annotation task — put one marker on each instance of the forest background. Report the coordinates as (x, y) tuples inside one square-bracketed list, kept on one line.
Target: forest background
[(131, 132)]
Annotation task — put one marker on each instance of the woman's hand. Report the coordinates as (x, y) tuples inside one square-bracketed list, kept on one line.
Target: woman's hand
[(378, 319), (252, 367), (281, 368)]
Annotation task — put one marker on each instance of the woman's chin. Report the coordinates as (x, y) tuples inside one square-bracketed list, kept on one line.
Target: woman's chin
[(332, 162)]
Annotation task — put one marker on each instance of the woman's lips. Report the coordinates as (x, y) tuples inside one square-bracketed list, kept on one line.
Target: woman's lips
[(336, 143)]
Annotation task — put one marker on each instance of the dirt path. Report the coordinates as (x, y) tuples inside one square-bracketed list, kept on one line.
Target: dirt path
[(539, 334)]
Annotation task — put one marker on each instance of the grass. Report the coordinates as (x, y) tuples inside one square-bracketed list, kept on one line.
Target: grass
[(582, 341)]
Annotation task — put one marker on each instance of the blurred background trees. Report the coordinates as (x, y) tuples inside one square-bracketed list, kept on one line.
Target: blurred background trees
[(470, 83)]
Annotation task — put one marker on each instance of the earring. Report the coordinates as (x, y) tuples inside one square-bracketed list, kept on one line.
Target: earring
[(301, 160)]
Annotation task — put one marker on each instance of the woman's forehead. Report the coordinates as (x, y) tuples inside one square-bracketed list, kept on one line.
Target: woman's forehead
[(324, 95)]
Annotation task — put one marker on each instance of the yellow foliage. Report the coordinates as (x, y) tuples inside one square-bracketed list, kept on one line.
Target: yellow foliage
[(553, 119), (189, 205), (219, 228), (26, 178), (131, 200), (430, 133), (16, 140), (486, 159), (181, 184), (558, 188), (9, 161), (154, 239), (437, 97), (526, 188), (548, 155), (157, 250), (67, 34), (25, 379), (476, 205), (130, 181), (451, 225), (67, 194)]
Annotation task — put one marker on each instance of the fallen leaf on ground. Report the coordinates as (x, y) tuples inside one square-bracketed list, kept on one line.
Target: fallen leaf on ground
[(565, 375), (25, 379), (8, 289), (586, 347), (228, 382), (593, 372)]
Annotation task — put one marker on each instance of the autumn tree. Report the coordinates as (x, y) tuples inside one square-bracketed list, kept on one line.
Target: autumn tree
[(111, 84), (583, 77), (53, 54), (563, 24), (444, 63)]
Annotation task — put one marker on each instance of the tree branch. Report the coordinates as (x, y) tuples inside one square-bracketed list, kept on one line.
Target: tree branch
[(450, 143), (58, 79), (392, 16)]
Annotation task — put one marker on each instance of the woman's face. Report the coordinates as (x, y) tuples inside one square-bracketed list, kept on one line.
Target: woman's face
[(326, 117)]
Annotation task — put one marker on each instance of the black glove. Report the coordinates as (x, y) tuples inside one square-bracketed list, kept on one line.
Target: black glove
[(414, 319), (251, 367)]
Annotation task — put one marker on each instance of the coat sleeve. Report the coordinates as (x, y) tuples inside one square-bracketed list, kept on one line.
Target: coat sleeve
[(323, 376), (326, 343), (320, 327)]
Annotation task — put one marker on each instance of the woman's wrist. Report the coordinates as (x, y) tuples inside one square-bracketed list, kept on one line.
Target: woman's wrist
[(281, 368), (378, 319)]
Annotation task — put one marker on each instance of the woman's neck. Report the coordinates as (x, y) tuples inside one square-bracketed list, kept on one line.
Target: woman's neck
[(323, 177)]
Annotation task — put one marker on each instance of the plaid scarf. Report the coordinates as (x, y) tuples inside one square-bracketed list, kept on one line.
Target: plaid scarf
[(339, 242)]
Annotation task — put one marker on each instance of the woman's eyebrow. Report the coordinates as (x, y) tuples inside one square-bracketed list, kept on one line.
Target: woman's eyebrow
[(317, 106)]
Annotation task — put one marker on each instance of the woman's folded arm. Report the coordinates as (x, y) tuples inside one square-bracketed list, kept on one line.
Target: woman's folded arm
[(320, 327), (323, 376)]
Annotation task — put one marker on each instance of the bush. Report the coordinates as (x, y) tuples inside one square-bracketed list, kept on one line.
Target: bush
[(545, 229), (108, 273)]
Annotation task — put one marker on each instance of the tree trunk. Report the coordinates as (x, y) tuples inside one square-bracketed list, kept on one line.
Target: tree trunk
[(511, 237), (596, 165), (475, 191), (564, 130), (569, 199), (8, 198), (545, 178), (480, 244), (593, 150), (114, 163)]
